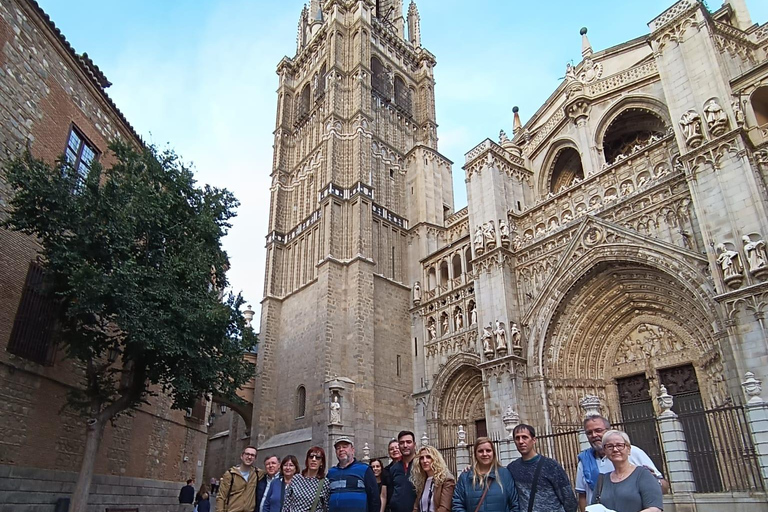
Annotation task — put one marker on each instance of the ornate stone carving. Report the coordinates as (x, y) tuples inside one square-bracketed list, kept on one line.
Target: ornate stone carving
[(590, 71), (738, 114), (590, 404), (479, 241), (647, 341), (515, 335), (730, 266), (461, 434), (458, 319), (431, 329), (756, 256), (510, 420), (717, 121), (666, 402), (752, 388), (489, 235), (690, 123)]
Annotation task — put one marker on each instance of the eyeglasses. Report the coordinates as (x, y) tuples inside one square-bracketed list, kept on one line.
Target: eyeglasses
[(595, 431), (315, 456), (617, 446)]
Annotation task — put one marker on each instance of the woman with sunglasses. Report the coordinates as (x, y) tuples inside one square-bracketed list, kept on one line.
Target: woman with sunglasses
[(628, 488), (433, 482), (275, 498), (309, 490)]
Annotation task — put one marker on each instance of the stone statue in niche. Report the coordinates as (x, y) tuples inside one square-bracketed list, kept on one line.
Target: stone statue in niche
[(479, 241), (458, 319), (473, 315), (514, 335), (501, 337), (335, 410), (730, 266), (756, 254), (488, 340), (489, 233), (504, 233), (444, 325), (737, 112), (416, 292), (431, 329), (717, 121), (690, 124)]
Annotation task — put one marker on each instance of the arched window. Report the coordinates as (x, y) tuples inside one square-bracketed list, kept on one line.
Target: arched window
[(301, 401), (402, 95), (380, 79), (468, 259), (633, 129), (456, 266), (759, 100), (431, 279), (567, 168), (302, 110), (444, 273)]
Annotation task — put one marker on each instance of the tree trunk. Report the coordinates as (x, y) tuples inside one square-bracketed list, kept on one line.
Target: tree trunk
[(93, 433)]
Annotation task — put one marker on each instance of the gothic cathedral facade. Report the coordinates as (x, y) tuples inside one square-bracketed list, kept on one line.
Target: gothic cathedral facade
[(613, 244)]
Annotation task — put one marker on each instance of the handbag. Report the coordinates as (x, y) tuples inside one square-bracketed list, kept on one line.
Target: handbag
[(599, 488), (487, 486)]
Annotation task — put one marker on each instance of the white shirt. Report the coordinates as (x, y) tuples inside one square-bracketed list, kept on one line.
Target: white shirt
[(426, 495), (636, 456), (266, 490)]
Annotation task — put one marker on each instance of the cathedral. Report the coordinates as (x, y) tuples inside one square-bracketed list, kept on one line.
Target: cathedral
[(613, 244)]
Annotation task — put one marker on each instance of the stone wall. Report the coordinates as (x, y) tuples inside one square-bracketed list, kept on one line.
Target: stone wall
[(37, 490)]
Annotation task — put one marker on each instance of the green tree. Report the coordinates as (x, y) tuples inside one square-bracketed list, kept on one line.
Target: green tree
[(133, 254)]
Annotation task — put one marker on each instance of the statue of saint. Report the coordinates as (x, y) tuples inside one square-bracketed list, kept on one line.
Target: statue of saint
[(690, 123), (487, 339), (416, 292), (728, 261), (501, 336), (473, 316), (514, 334), (432, 331), (479, 239), (717, 121), (755, 251), (335, 410), (458, 319)]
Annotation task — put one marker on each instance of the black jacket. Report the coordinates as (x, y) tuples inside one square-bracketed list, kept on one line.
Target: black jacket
[(187, 494)]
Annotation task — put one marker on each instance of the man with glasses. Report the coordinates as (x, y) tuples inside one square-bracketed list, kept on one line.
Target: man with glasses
[(237, 491), (593, 461)]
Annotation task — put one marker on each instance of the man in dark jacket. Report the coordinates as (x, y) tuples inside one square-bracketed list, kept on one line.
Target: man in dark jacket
[(403, 495), (187, 496), (353, 484), (272, 467)]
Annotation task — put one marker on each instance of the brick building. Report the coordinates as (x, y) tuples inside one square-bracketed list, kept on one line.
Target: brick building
[(54, 101)]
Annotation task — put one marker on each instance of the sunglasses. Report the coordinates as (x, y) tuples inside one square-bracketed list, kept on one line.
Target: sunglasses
[(315, 456)]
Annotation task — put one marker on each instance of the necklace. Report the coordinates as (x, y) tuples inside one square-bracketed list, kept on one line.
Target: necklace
[(619, 476)]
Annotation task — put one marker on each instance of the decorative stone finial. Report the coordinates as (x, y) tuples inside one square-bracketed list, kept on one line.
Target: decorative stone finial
[(665, 403), (424, 439), (511, 420), (586, 48), (591, 406), (752, 388), (462, 435), (517, 125), (366, 453)]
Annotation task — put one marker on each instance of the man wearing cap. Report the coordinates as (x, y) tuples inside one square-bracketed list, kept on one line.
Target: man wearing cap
[(353, 484)]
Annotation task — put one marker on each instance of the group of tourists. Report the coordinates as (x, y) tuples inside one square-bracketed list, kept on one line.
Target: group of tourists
[(612, 475)]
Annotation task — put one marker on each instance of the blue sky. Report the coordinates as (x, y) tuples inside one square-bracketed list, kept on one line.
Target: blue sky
[(200, 76)]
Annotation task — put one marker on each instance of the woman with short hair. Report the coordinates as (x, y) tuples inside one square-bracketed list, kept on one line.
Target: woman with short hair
[(275, 498), (309, 490), (628, 488)]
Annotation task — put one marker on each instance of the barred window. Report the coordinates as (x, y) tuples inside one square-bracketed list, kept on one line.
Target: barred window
[(33, 329)]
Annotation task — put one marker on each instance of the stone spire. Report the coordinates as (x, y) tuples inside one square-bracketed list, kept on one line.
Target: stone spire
[(517, 126), (301, 32), (316, 18), (414, 25), (586, 48)]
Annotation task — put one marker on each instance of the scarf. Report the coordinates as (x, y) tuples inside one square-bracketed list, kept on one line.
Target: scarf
[(589, 467)]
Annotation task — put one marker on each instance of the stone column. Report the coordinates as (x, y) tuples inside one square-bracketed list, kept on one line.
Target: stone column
[(507, 449), (757, 418), (462, 451), (675, 448)]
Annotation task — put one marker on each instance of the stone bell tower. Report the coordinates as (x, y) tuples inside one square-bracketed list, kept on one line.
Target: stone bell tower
[(355, 174)]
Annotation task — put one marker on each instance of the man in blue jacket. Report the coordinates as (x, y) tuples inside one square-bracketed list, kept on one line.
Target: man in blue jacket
[(353, 484)]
